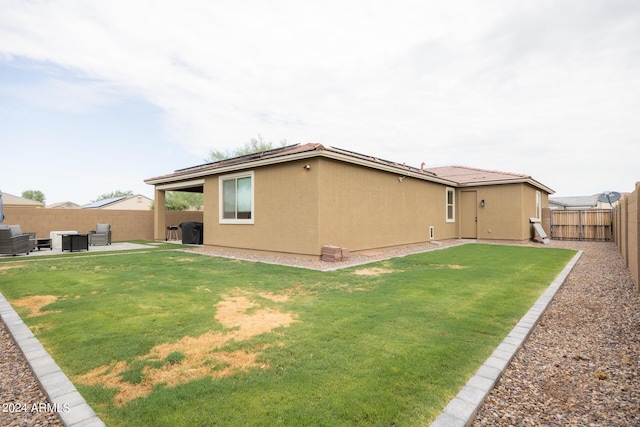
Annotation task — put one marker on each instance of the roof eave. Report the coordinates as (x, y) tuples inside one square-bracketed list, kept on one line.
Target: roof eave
[(227, 169), (327, 153)]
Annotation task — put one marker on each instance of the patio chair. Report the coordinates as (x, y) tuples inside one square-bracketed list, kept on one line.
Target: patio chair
[(32, 240), (13, 241), (101, 236)]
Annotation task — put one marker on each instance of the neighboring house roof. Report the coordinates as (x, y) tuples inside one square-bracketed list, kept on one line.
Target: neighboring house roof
[(102, 203), (122, 202), (11, 200), (63, 205), (575, 201), (193, 177)]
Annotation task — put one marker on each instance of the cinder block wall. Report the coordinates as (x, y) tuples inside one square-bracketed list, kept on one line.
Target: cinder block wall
[(125, 224), (626, 231)]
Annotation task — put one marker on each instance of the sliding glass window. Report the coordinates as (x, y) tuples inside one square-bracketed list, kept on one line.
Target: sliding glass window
[(236, 199)]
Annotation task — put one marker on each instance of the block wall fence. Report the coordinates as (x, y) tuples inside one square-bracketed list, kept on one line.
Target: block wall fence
[(626, 225), (125, 224)]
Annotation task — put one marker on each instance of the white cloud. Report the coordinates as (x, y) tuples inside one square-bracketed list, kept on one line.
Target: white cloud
[(490, 84)]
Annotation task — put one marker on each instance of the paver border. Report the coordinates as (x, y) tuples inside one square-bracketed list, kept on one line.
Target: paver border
[(462, 409), (69, 404)]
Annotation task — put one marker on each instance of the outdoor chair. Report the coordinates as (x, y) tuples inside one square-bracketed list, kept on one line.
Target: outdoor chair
[(101, 236), (13, 241), (32, 240)]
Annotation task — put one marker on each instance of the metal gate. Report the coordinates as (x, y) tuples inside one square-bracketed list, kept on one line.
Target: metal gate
[(593, 224)]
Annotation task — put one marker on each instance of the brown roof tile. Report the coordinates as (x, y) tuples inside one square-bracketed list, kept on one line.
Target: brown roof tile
[(467, 175), (452, 175)]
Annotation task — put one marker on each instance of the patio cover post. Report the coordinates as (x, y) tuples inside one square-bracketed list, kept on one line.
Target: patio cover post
[(1, 209), (159, 216)]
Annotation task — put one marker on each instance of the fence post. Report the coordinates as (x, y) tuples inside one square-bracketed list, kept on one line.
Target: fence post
[(636, 268), (580, 225)]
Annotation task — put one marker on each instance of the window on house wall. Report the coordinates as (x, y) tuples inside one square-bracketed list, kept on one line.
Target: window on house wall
[(236, 199), (538, 205), (451, 205)]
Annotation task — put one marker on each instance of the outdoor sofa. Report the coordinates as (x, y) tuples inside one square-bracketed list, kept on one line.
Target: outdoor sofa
[(13, 241)]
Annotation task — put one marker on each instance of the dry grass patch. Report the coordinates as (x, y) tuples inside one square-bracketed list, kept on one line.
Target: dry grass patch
[(284, 296), (376, 271), (198, 356), (8, 267), (451, 266), (274, 297), (35, 304)]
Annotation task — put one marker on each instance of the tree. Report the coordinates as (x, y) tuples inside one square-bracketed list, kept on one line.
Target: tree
[(182, 201), (36, 195), (253, 146), (116, 193)]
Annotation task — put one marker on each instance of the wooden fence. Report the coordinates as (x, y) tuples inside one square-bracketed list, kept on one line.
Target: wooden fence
[(594, 224)]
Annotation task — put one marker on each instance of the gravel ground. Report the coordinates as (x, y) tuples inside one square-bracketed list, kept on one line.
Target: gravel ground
[(581, 364), (579, 367), (19, 390)]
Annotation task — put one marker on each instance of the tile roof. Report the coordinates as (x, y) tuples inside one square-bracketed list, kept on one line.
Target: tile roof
[(269, 154), (220, 164), (467, 175), (276, 153), (11, 200), (450, 175)]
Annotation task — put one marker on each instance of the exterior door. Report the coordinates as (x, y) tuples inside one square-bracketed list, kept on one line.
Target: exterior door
[(468, 215)]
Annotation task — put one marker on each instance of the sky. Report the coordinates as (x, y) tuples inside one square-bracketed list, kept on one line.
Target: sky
[(96, 96)]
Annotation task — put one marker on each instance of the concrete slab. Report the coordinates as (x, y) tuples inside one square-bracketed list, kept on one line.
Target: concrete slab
[(116, 246)]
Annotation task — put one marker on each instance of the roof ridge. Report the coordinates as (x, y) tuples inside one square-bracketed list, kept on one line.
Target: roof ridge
[(383, 161), (254, 156)]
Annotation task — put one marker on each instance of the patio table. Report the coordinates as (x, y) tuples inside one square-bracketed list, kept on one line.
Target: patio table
[(44, 243), (75, 242), (56, 237)]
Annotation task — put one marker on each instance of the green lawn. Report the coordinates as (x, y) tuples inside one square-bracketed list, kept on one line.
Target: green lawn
[(168, 338)]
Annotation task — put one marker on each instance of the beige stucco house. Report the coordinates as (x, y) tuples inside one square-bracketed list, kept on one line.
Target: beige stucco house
[(297, 199)]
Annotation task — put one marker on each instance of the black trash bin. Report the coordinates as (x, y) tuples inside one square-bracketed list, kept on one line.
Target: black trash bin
[(191, 233)]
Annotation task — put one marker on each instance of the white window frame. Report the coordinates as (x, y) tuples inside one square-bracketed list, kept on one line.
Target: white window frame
[(235, 176), (447, 204), (539, 205)]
